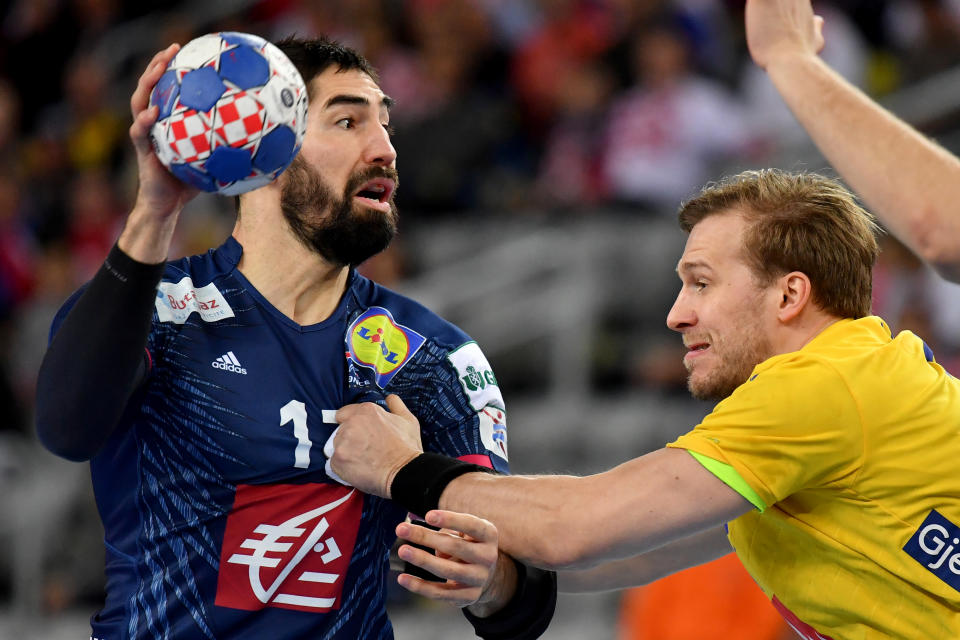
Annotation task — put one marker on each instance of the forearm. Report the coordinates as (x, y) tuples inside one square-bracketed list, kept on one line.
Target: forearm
[(555, 522), (96, 359), (146, 237), (910, 182), (563, 522), (528, 511), (650, 566)]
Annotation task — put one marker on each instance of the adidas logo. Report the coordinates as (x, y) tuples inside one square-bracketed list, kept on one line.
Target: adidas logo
[(229, 362)]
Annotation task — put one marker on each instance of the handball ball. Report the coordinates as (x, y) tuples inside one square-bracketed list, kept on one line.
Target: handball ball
[(233, 111)]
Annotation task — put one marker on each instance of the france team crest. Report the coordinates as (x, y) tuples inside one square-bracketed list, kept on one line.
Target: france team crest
[(377, 342)]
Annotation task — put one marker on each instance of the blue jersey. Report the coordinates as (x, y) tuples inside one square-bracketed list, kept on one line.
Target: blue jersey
[(220, 521)]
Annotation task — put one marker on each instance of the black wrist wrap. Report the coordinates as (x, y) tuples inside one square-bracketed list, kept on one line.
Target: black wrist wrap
[(529, 612), (419, 483)]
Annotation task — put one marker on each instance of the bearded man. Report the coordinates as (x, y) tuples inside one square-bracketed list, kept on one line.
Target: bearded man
[(202, 390)]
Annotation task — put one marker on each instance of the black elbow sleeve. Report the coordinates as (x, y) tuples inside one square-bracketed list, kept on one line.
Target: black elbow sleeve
[(96, 358)]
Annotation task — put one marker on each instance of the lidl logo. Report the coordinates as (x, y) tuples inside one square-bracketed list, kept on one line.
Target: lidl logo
[(376, 341)]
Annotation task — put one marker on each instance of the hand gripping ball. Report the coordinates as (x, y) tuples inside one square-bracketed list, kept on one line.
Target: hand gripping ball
[(233, 112)]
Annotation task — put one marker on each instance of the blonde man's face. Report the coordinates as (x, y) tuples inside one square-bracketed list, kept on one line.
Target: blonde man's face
[(725, 318)]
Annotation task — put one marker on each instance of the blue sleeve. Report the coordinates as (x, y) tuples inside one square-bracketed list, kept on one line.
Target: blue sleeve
[(440, 374), (96, 357), (459, 405)]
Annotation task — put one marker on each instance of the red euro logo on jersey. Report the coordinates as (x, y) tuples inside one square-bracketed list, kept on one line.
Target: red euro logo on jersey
[(288, 546)]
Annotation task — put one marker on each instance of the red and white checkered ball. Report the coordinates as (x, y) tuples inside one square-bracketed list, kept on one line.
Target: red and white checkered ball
[(233, 112)]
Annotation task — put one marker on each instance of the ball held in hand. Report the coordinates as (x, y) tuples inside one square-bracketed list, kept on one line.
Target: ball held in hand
[(233, 112)]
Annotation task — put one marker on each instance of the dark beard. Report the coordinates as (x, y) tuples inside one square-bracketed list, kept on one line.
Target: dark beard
[(342, 234)]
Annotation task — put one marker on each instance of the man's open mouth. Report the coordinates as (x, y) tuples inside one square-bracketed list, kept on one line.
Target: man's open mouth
[(695, 349), (377, 190)]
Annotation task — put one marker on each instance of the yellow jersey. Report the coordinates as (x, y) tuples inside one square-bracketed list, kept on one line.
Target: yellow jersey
[(850, 450)]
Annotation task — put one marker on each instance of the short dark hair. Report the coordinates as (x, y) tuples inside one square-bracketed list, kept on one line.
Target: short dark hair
[(313, 56), (799, 222)]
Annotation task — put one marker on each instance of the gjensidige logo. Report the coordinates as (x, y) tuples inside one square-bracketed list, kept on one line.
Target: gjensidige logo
[(936, 545)]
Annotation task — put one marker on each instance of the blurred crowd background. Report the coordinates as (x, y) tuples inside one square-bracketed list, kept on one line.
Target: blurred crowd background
[(544, 146)]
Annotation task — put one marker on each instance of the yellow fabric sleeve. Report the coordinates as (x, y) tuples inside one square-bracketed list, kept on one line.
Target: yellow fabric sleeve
[(792, 425)]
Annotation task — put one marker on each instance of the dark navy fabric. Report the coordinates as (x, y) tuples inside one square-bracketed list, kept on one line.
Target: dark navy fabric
[(222, 446)]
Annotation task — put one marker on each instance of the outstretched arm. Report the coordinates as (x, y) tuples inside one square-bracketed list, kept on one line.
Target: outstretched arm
[(609, 576), (910, 182), (557, 522), (648, 567), (566, 522)]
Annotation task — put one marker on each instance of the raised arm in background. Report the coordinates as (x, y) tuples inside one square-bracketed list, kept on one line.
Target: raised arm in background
[(910, 182)]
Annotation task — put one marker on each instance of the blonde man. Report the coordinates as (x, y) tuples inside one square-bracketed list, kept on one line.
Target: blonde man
[(829, 463)]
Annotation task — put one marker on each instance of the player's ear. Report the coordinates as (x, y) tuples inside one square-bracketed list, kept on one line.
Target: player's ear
[(795, 294)]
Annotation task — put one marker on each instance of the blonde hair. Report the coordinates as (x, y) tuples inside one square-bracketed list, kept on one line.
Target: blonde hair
[(799, 222)]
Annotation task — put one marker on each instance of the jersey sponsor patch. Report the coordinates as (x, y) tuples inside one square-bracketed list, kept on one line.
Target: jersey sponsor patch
[(288, 546), (476, 377), (493, 430), (377, 342), (936, 545), (177, 300)]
